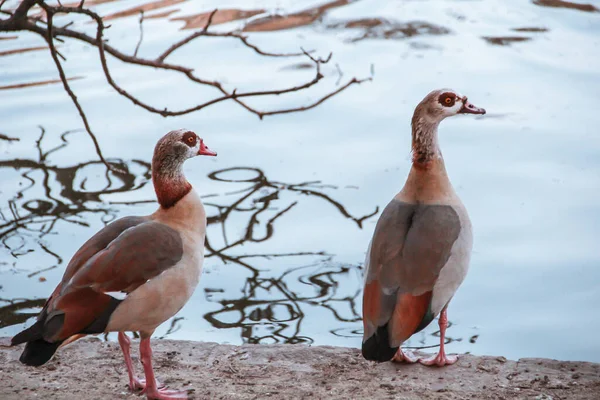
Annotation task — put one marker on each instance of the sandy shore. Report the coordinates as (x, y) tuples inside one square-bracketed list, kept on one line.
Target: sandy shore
[(94, 369)]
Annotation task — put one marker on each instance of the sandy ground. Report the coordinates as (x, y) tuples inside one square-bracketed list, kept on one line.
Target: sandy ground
[(94, 369)]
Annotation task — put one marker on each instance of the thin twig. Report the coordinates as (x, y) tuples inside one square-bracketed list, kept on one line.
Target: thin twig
[(316, 103), (141, 34), (209, 20), (317, 60), (60, 55), (258, 50)]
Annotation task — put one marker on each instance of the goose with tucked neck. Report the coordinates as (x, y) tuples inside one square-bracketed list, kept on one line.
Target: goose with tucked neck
[(421, 246)]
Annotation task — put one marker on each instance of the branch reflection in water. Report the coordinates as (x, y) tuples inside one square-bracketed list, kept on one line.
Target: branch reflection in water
[(65, 197), (277, 290), (274, 303)]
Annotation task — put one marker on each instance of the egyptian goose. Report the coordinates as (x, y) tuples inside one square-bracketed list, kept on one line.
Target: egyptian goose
[(133, 274), (421, 247)]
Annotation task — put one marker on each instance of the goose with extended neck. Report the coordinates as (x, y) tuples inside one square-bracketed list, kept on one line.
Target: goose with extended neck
[(421, 247)]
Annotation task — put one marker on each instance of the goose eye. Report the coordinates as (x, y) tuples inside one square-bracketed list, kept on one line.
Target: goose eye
[(447, 99), (190, 139)]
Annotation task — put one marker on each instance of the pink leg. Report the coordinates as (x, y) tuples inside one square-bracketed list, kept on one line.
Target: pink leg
[(152, 389), (404, 356), (134, 383), (441, 358)]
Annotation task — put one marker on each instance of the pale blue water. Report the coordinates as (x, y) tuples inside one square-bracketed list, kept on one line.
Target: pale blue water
[(528, 172)]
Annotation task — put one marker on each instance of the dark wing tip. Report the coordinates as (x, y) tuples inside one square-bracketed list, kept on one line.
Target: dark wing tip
[(38, 352), (377, 347)]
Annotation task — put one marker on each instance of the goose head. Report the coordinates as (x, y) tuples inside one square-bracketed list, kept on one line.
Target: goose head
[(435, 107), (444, 103), (177, 146)]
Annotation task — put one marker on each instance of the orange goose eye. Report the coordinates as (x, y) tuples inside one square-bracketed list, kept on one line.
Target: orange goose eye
[(190, 139), (447, 99)]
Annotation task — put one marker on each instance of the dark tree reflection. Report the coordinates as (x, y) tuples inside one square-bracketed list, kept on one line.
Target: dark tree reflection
[(56, 194), (272, 308), (274, 302)]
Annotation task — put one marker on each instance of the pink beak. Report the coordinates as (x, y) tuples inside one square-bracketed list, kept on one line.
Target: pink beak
[(469, 108), (205, 151)]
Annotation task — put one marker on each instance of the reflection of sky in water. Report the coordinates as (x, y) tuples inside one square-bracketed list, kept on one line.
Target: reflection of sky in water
[(528, 172)]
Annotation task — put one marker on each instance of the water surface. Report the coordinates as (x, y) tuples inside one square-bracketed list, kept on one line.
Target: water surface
[(293, 199)]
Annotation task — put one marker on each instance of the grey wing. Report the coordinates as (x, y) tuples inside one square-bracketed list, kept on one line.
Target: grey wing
[(381, 282), (427, 247), (411, 244)]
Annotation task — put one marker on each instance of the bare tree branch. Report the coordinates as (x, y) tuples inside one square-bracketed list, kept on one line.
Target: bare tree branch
[(20, 21), (24, 7)]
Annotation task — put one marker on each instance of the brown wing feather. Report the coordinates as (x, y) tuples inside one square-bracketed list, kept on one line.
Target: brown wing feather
[(99, 242), (119, 258), (137, 255), (96, 243)]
